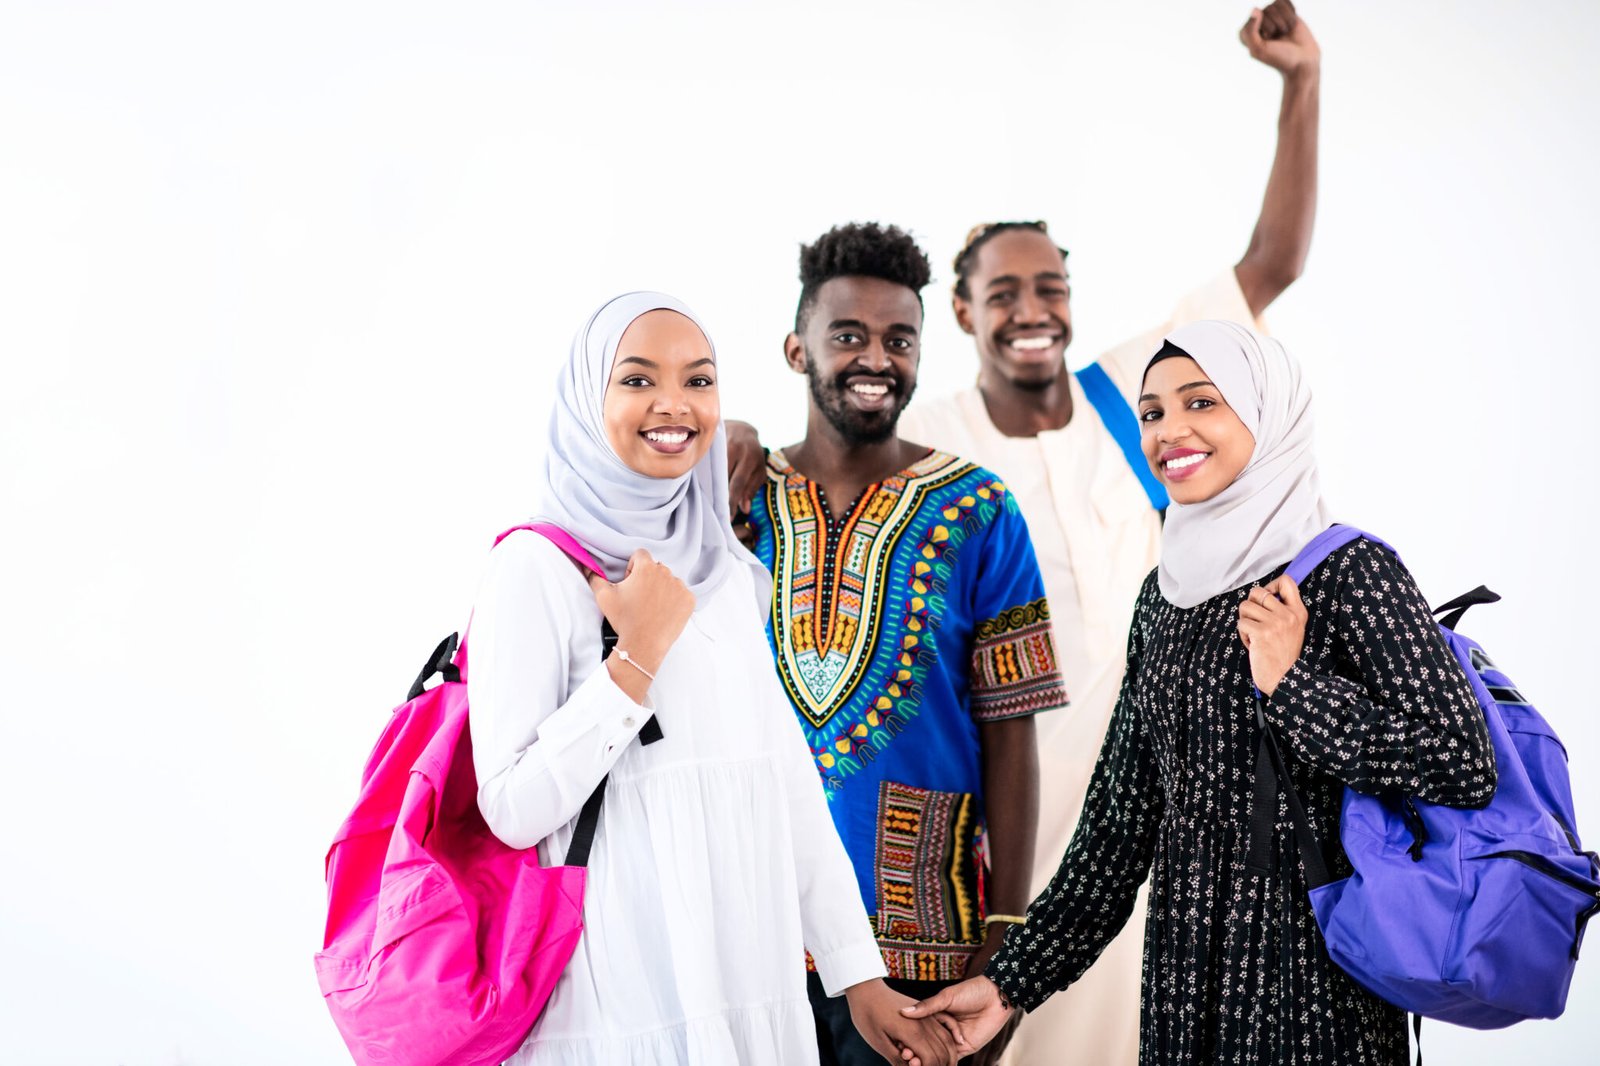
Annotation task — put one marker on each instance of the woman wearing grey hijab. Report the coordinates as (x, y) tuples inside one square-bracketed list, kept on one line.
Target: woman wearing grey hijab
[(1358, 686), (716, 866)]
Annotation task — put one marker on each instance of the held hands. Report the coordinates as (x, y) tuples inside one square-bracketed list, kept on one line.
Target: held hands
[(1272, 624), (989, 1054), (973, 1011), (879, 1014), (1277, 37), (648, 608)]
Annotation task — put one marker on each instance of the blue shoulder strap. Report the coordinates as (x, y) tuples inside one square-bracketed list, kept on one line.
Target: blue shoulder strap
[(1325, 544), (1123, 426)]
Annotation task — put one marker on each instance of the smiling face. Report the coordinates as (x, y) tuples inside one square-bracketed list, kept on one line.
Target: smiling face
[(661, 406), (1017, 309), (1192, 439), (859, 351)]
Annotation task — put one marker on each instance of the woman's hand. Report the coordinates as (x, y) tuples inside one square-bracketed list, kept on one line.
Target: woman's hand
[(990, 1053), (648, 608), (973, 1011), (1272, 624), (878, 1014)]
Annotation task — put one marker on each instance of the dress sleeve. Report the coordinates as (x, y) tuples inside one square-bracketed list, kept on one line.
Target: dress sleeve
[(539, 751), (1092, 894), (1399, 716), (833, 922), (1014, 668)]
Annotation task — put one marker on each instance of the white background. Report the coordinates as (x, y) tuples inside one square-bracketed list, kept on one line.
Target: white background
[(282, 286)]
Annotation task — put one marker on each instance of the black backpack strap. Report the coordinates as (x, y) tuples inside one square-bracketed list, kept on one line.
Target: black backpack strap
[(441, 662), (588, 822), (589, 817), (1263, 811), (1271, 773), (1458, 606)]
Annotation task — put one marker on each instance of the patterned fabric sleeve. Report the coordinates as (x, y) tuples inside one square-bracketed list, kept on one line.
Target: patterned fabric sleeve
[(1410, 723), (1092, 894), (1014, 666)]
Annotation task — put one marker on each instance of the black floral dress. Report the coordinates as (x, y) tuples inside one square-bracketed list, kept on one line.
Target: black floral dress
[(1234, 967)]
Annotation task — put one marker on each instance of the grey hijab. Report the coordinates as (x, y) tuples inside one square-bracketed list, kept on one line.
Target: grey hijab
[(614, 510), (1275, 506)]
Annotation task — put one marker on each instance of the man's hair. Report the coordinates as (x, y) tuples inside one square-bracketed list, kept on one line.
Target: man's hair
[(862, 250), (977, 237)]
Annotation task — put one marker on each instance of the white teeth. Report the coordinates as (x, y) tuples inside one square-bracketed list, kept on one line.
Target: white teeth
[(1032, 344), (866, 389), (1187, 460), (666, 438)]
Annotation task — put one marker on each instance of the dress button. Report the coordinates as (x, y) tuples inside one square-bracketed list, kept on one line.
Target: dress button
[(628, 721)]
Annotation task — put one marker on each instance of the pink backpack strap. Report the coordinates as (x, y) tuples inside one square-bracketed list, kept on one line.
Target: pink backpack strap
[(649, 733), (563, 540)]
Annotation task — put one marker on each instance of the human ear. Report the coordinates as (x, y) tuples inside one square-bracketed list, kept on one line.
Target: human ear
[(794, 353), (963, 310)]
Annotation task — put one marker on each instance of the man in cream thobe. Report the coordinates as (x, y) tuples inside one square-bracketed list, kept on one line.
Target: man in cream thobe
[(1094, 530)]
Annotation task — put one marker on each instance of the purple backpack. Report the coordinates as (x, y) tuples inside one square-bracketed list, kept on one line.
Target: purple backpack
[(1468, 916)]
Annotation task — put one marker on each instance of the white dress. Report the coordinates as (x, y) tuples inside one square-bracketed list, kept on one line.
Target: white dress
[(716, 864)]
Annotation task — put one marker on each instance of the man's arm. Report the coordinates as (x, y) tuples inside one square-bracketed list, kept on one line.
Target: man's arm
[(1014, 675), (747, 465), (1010, 754), (1282, 237)]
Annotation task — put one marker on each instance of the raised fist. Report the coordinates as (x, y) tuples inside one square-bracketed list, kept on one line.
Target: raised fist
[(1278, 37)]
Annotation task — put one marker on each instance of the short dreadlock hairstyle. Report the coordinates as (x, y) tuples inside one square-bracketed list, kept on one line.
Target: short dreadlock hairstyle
[(977, 237), (862, 250)]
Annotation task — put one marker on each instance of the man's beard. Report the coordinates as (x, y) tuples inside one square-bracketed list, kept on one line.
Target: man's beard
[(855, 427), (1034, 386)]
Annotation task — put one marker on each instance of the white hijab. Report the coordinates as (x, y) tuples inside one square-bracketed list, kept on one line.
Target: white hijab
[(1275, 506), (611, 508)]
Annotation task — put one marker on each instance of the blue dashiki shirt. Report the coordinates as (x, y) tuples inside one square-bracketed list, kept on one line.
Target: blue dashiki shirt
[(896, 629)]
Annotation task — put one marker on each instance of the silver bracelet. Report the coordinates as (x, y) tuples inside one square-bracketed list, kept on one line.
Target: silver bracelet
[(622, 653)]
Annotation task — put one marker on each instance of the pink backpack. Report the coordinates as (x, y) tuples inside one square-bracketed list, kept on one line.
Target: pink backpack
[(442, 943)]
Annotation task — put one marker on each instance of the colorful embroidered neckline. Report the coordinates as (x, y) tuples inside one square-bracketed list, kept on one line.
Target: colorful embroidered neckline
[(831, 575)]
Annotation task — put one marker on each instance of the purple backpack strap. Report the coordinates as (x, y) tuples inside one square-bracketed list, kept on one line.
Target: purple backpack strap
[(1325, 544)]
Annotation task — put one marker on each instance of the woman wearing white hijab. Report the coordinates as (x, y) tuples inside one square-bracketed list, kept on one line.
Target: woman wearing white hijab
[(716, 865), (1359, 688)]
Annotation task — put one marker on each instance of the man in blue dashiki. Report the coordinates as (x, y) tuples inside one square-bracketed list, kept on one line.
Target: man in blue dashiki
[(910, 629)]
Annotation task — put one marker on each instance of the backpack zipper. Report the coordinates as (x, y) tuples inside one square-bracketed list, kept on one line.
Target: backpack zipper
[(1542, 864)]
